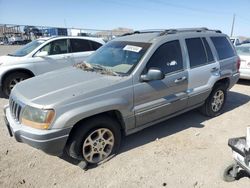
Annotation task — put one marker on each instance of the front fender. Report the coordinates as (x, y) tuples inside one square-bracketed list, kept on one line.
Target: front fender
[(71, 117)]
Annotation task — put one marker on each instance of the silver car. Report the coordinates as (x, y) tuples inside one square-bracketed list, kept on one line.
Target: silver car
[(130, 83), (244, 53), (44, 55)]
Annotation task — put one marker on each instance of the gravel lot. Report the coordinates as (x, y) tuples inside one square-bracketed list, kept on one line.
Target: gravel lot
[(186, 151)]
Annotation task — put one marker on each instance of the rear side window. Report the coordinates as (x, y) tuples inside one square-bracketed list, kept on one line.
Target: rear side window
[(80, 45), (95, 45), (199, 52), (168, 58), (223, 47), (209, 54)]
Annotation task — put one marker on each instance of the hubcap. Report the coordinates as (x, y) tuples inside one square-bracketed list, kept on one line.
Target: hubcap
[(98, 145), (218, 100), (14, 82)]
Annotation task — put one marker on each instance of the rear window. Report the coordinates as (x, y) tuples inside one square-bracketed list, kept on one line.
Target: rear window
[(243, 50), (80, 45), (223, 47), (95, 45)]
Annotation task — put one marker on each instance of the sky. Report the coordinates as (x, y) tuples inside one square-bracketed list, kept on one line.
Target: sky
[(134, 14)]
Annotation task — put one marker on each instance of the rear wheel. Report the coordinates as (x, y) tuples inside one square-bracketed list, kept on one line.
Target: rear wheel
[(215, 102), (11, 80), (95, 140)]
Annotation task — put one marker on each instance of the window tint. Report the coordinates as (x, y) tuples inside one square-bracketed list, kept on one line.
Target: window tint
[(56, 47), (209, 54), (196, 52), (223, 47), (80, 45), (95, 45), (168, 58)]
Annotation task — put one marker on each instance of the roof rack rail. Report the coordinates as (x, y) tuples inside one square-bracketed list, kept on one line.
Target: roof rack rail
[(144, 31), (172, 31), (200, 29)]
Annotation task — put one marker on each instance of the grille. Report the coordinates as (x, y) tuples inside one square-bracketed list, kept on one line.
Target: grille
[(15, 109)]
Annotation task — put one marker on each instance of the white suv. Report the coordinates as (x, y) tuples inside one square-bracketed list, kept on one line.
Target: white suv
[(44, 55)]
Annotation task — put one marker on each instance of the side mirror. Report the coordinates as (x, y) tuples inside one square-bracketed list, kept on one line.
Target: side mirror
[(153, 74), (42, 54)]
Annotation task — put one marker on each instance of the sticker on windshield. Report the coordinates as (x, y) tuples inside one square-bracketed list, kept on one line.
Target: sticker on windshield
[(132, 48)]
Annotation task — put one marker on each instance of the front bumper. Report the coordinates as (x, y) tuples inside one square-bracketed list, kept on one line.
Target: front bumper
[(50, 141)]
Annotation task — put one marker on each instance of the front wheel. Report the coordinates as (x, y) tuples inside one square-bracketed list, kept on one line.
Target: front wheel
[(11, 80), (215, 102), (95, 140)]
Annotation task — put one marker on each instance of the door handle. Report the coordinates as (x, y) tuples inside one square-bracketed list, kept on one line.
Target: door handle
[(178, 80), (214, 69)]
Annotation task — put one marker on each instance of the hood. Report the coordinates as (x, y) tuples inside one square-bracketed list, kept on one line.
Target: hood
[(6, 59), (58, 86)]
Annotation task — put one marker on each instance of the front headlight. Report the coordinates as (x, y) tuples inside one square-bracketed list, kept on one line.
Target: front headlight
[(37, 118)]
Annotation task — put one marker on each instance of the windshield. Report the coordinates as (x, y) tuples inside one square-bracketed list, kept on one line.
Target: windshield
[(119, 56), (27, 48), (243, 50)]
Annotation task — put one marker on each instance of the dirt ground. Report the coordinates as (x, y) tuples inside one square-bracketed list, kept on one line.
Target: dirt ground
[(186, 151)]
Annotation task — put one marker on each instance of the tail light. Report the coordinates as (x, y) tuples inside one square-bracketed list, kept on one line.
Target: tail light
[(238, 64)]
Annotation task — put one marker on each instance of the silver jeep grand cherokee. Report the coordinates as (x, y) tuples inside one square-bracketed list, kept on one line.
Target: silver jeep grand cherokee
[(130, 83)]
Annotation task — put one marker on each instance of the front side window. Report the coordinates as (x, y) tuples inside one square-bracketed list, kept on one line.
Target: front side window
[(223, 47), (167, 58), (119, 56), (56, 47), (80, 45)]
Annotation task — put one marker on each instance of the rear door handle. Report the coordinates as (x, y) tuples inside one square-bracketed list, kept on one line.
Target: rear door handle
[(214, 69), (178, 80)]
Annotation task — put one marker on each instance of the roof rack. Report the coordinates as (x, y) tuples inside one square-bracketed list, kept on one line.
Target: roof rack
[(201, 29), (144, 31), (172, 31)]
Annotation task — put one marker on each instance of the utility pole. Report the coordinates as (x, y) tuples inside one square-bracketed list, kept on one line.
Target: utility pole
[(232, 29)]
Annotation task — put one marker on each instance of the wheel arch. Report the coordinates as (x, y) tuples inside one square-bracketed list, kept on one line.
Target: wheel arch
[(115, 114), (27, 71), (224, 81)]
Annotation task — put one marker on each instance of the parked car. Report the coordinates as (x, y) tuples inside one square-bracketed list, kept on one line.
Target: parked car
[(235, 41), (44, 55), (244, 53), (130, 83)]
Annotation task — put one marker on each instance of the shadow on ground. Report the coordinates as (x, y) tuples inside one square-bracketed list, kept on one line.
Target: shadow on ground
[(179, 123)]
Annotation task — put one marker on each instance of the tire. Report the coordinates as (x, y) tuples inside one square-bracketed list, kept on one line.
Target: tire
[(227, 174), (95, 136), (11, 80), (215, 102)]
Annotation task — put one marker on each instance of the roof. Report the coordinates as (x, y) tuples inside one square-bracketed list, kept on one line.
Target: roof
[(100, 40), (149, 35)]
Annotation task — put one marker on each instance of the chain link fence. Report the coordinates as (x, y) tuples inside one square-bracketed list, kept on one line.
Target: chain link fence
[(22, 34)]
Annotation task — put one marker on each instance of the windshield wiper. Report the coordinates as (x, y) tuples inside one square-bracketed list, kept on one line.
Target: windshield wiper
[(104, 70), (95, 67)]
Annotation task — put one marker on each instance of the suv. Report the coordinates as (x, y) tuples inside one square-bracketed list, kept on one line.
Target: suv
[(129, 84), (44, 55)]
